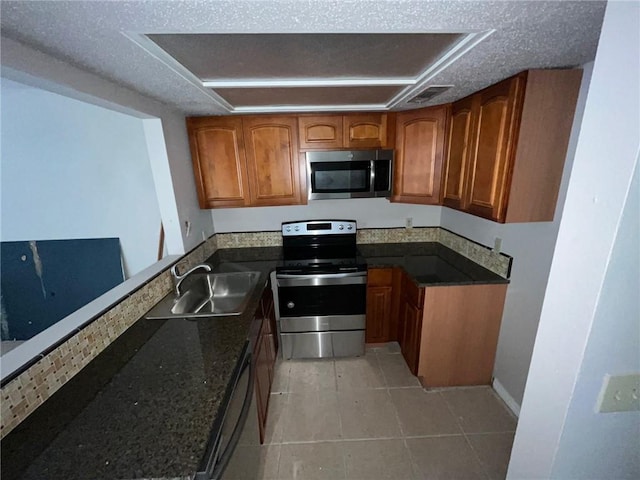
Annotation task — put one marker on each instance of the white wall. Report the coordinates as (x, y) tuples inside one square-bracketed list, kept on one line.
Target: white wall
[(531, 245), (368, 212), (576, 308), (73, 170), (613, 348), (176, 189)]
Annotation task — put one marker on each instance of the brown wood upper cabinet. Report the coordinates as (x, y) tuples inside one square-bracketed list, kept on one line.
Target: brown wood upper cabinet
[(272, 160), (366, 130), (507, 145), (219, 162), (354, 130), (420, 146), (246, 161)]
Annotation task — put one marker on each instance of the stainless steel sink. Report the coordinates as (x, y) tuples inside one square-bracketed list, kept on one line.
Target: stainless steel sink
[(207, 295)]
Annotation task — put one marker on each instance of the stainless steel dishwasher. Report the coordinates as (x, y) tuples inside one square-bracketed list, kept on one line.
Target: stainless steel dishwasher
[(235, 427)]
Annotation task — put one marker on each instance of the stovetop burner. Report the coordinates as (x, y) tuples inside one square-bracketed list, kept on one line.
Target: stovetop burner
[(320, 247)]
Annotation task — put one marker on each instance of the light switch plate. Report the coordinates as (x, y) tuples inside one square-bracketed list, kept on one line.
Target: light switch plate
[(619, 393)]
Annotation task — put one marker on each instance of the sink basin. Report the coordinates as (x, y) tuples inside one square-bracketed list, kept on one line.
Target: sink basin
[(207, 295)]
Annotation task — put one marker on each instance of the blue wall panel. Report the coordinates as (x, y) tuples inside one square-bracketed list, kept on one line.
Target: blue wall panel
[(44, 281)]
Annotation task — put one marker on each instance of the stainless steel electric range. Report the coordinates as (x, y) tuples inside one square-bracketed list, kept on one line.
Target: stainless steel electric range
[(320, 287)]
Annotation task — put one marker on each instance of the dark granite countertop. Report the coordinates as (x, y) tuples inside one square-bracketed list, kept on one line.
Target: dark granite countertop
[(428, 263), (145, 406)]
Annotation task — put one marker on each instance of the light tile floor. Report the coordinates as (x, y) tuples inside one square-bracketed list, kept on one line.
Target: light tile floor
[(367, 418)]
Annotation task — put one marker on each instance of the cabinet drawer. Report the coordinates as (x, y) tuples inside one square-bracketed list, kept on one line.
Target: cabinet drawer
[(413, 292), (379, 277)]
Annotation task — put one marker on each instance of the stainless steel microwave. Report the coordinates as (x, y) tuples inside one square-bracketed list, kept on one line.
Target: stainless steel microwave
[(349, 174)]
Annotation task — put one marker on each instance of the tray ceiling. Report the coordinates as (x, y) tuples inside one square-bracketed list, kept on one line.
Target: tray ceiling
[(238, 56), (272, 72)]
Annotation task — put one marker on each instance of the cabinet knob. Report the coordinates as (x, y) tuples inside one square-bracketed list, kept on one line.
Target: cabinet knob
[(290, 304)]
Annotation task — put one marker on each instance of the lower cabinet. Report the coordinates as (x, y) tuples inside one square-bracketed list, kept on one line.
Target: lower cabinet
[(379, 301), (264, 354), (410, 321), (447, 334), (459, 334)]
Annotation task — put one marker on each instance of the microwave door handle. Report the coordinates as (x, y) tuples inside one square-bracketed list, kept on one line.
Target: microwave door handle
[(372, 178)]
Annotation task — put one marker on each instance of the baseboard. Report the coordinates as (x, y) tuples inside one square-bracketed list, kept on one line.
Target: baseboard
[(506, 398)]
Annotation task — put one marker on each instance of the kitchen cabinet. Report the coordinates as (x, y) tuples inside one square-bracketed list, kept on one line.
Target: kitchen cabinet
[(507, 145), (410, 316), (219, 162), (459, 334), (447, 334), (367, 130), (271, 145), (458, 156), (246, 161), (379, 301), (264, 354), (320, 132), (353, 130), (420, 146)]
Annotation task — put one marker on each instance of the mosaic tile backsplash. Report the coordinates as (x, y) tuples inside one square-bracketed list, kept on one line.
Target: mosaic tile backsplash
[(397, 235), (498, 263), (249, 239), (30, 389)]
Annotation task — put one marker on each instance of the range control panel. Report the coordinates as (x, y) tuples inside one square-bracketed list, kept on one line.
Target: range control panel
[(319, 227)]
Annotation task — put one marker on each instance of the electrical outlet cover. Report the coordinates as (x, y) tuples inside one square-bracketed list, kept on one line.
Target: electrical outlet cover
[(620, 393)]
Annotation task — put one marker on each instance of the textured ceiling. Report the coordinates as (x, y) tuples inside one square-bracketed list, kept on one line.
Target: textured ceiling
[(97, 36)]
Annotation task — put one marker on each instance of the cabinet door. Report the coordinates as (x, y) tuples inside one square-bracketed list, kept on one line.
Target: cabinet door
[(420, 141), (365, 130), (320, 131), (270, 316), (219, 165), (411, 321), (262, 384), (493, 148), (378, 314), (457, 161), (272, 160)]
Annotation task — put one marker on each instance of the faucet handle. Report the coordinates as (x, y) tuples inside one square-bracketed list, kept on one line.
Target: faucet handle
[(174, 270)]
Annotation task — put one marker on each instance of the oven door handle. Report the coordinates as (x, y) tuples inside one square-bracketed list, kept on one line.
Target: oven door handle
[(291, 280)]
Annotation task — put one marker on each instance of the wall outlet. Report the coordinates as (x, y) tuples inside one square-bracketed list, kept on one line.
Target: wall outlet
[(620, 393), (408, 223), (497, 245)]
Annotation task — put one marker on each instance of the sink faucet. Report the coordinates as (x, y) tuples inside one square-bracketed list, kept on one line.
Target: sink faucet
[(178, 279)]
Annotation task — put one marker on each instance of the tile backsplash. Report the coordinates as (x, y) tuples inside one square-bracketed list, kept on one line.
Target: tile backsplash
[(249, 239), (22, 395), (397, 235), (498, 263)]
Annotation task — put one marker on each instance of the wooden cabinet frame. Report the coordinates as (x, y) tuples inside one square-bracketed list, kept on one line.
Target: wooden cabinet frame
[(419, 156), (448, 335), (507, 146)]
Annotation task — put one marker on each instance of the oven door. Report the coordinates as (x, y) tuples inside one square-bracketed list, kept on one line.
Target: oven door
[(314, 303), (321, 315)]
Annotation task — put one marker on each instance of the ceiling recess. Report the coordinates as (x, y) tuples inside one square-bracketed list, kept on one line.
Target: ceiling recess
[(311, 72)]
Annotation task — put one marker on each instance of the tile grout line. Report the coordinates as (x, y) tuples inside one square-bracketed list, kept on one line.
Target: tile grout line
[(466, 439), (477, 457), (335, 375)]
